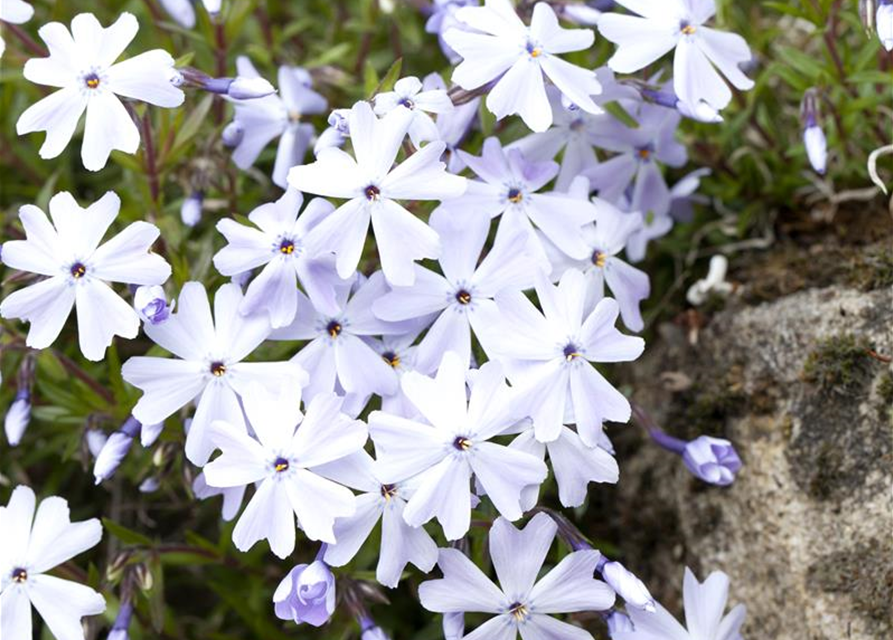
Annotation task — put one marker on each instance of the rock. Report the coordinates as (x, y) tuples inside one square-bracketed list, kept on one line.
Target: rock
[(806, 531)]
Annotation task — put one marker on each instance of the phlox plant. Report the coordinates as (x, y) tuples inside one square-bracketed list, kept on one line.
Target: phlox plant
[(364, 279)]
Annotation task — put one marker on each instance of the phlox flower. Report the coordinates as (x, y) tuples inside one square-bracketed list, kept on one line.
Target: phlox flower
[(443, 18), (454, 125), (701, 54), (508, 187), (606, 238), (463, 295), (232, 496), (277, 116), (401, 544), (32, 545), (574, 132), (372, 186), (638, 152), (505, 50), (82, 65), (277, 242), (574, 463), (336, 356), (408, 92), (209, 364), (283, 460), (548, 357), (78, 269), (306, 594), (452, 444), (398, 352), (704, 606), (521, 603)]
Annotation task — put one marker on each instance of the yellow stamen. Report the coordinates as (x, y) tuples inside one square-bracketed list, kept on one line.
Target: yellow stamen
[(519, 612), (218, 369), (599, 259), (689, 29)]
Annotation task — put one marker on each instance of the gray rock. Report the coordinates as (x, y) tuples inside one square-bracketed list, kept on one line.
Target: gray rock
[(806, 531)]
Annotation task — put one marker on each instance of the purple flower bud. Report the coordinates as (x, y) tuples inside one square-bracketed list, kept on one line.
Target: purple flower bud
[(618, 622), (191, 210), (306, 594), (813, 136), (121, 626), (114, 450), (95, 441), (713, 460), (149, 485), (371, 631), (151, 305), (626, 585), (232, 134), (18, 416)]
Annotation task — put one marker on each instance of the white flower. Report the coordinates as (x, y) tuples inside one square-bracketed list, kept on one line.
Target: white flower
[(212, 351), (574, 463), (714, 283), (14, 12), (282, 116), (700, 51), (372, 185), (408, 93), (284, 461), (547, 356), (181, 11), (884, 23), (82, 65), (401, 544), (522, 604), (504, 49), (816, 147), (452, 445), (704, 605), (337, 356), (78, 269), (463, 296), (277, 243), (28, 552)]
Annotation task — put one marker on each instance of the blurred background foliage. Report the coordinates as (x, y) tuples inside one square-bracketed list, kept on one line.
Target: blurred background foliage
[(175, 552)]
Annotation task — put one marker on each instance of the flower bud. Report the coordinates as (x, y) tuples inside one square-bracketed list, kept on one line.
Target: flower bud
[(232, 134), (212, 6), (306, 594), (884, 23), (581, 14), (114, 450), (191, 210), (242, 88), (713, 460), (618, 622), (18, 416), (121, 626), (371, 631), (181, 11), (95, 441), (151, 304), (149, 485), (626, 585), (813, 136)]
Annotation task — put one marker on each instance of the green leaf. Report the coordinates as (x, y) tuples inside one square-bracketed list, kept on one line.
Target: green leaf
[(126, 535), (193, 123), (391, 77)]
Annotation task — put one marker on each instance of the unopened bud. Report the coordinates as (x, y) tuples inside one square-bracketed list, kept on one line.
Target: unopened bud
[(191, 210), (626, 585)]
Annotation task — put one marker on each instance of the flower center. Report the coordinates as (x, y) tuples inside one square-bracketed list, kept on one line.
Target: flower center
[(388, 491), (280, 465), (218, 369), (515, 195), (294, 116), (463, 297), (534, 50), (406, 102), (645, 152), (19, 575), (334, 328), (571, 352), (391, 358), (91, 80), (462, 443), (519, 611), (599, 258), (372, 193), (78, 270), (687, 29), (287, 247)]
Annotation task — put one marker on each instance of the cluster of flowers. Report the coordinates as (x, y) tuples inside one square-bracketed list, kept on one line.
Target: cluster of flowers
[(452, 430)]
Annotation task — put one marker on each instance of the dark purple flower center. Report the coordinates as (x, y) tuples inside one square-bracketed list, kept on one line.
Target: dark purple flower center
[(91, 80), (391, 358), (334, 328), (462, 443), (280, 465), (515, 195), (599, 258), (463, 297), (372, 193), (519, 611), (388, 491), (19, 575), (78, 270), (408, 103), (571, 351), (218, 369), (287, 247)]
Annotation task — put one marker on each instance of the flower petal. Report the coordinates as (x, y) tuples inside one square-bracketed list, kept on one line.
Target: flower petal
[(46, 305), (463, 588)]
